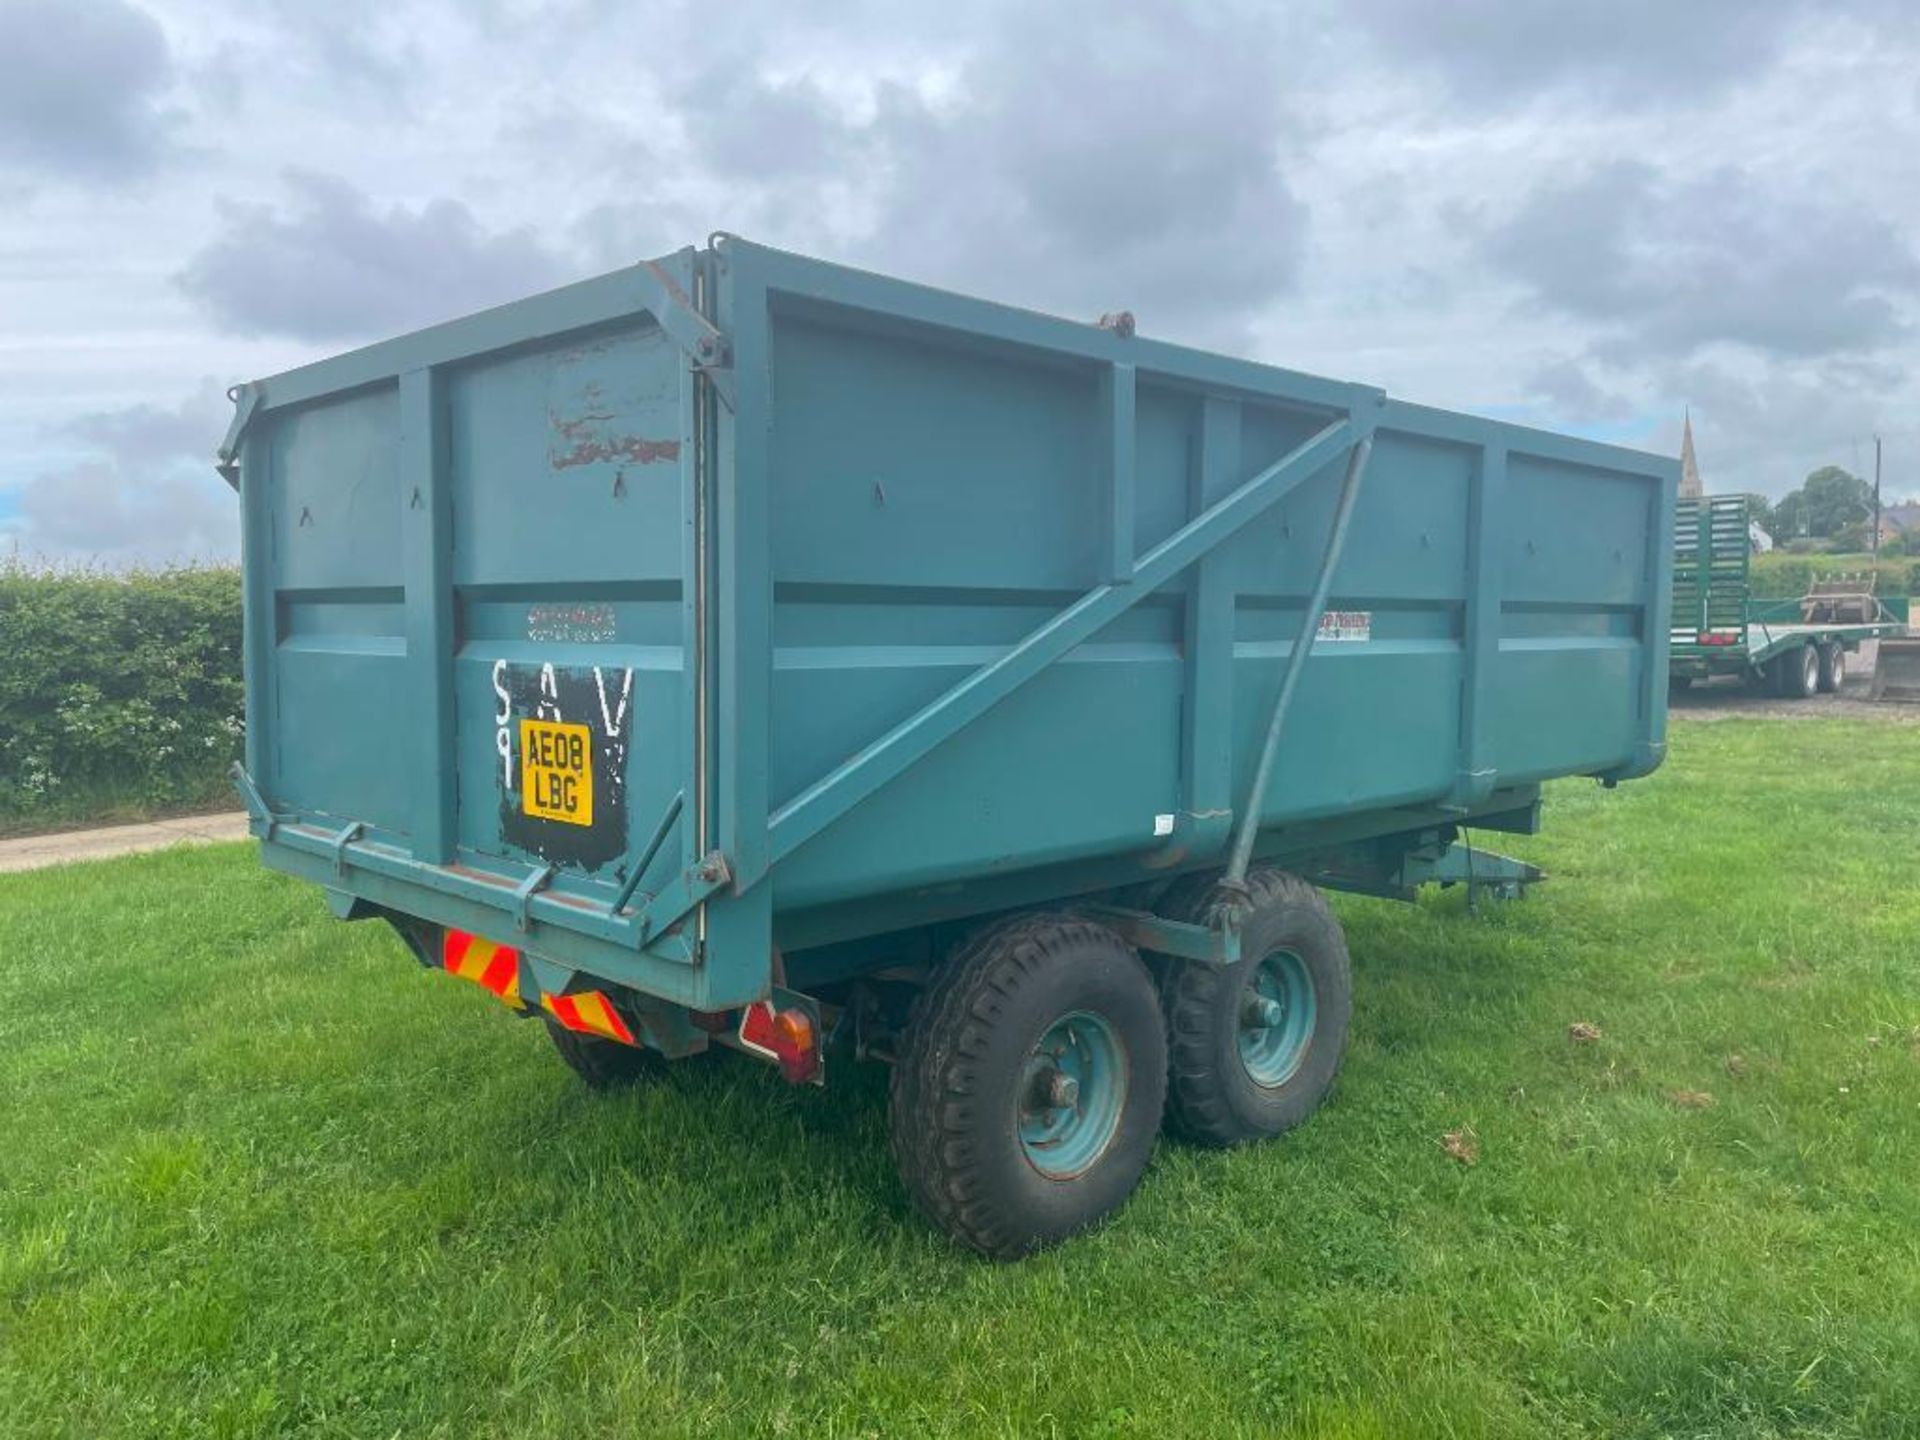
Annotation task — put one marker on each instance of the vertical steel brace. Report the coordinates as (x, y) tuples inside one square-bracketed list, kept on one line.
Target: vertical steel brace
[(1249, 822)]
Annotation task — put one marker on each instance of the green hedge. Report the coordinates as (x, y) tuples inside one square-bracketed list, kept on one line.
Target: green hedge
[(1786, 576), (119, 694)]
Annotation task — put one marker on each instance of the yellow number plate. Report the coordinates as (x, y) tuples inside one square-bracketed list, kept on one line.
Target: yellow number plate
[(556, 771)]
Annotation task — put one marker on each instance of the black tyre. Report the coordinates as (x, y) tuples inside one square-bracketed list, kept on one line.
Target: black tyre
[(1253, 1048), (1028, 1094), (604, 1064), (1833, 668), (1679, 684), (1797, 674)]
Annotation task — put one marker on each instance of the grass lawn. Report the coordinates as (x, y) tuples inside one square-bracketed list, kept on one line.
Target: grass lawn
[(261, 1176)]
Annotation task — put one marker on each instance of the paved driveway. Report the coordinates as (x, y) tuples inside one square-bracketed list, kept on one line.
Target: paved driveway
[(35, 851)]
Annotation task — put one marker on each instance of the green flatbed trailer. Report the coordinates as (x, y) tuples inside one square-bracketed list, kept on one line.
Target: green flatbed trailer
[(1720, 629)]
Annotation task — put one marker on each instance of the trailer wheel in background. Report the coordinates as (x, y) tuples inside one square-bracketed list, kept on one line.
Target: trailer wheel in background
[(1029, 1091), (1797, 674), (1679, 684), (604, 1064), (1252, 1048), (1833, 668)]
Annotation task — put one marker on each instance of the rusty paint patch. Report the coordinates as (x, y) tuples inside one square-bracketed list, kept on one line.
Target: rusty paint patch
[(625, 449), (614, 405), (584, 440), (485, 877)]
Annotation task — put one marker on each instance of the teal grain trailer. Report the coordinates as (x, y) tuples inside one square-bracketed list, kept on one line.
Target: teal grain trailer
[(741, 649)]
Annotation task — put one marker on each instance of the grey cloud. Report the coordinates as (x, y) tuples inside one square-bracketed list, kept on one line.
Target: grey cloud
[(1095, 163), (1571, 395), (1084, 158), (351, 44), (1758, 425), (1079, 158), (146, 495), (81, 89), (611, 235), (101, 513), (1667, 267), (749, 128), (1763, 429), (333, 267), (355, 53), (144, 435), (1494, 53)]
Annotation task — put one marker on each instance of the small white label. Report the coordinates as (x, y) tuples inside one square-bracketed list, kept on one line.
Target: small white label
[(1345, 625), (1163, 825)]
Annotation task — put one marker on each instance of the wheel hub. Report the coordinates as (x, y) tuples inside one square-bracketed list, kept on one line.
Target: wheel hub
[(1257, 1012), (1072, 1092), (1062, 1090), (1276, 1019)]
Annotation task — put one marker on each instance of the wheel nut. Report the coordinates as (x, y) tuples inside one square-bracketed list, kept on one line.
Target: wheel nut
[(1262, 1013), (1062, 1090)]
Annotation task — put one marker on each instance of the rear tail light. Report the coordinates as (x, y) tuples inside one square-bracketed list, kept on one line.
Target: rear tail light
[(787, 1036)]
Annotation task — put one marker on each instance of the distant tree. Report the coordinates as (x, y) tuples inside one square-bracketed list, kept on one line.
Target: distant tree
[(1760, 511), (1828, 502), (1786, 521), (1836, 499)]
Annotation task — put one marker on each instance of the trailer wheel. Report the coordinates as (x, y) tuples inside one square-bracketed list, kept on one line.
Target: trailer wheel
[(1833, 668), (1679, 684), (604, 1064), (1253, 1048), (1028, 1094), (1797, 674)]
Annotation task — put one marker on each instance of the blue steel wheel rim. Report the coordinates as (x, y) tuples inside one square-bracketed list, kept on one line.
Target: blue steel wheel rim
[(1073, 1087), (1274, 1025)]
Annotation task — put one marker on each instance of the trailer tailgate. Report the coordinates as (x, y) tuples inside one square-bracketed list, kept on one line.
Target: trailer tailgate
[(472, 609)]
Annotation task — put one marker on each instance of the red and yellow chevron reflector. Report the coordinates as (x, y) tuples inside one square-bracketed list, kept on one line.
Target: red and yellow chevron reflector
[(589, 1013), (496, 967)]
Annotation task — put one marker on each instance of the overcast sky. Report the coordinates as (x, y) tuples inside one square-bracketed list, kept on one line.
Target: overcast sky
[(1581, 215)]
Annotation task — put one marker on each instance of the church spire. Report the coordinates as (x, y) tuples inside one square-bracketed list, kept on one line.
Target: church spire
[(1689, 467)]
